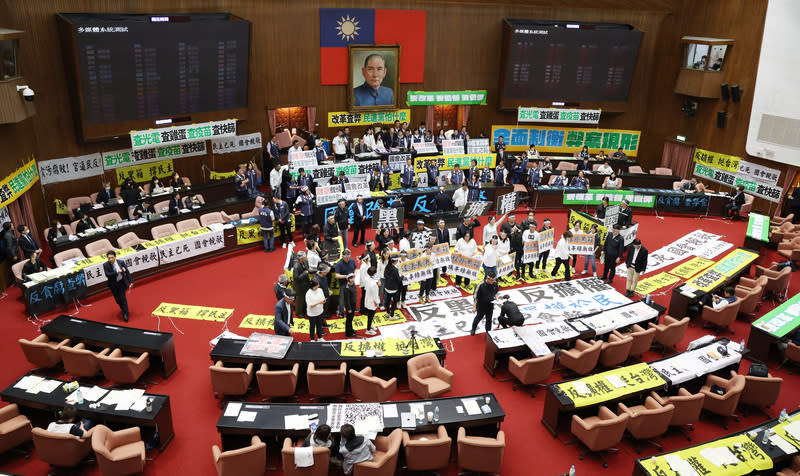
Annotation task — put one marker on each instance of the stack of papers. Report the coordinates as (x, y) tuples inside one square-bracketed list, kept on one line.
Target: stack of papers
[(34, 384), (247, 416), (390, 410), (296, 422), (232, 409), (471, 406), (720, 456), (28, 381), (128, 398), (784, 445), (793, 429)]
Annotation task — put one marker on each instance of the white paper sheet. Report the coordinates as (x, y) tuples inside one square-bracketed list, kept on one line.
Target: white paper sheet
[(390, 411), (719, 456), (581, 387), (140, 404), (47, 386), (471, 405), (95, 393), (616, 381), (232, 409), (407, 420), (28, 381), (793, 429), (247, 416), (784, 445)]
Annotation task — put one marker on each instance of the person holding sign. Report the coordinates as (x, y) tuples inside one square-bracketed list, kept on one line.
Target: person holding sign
[(562, 255), (483, 303), (490, 256), (636, 261), (529, 235), (465, 246), (625, 217), (591, 257), (612, 251), (543, 255)]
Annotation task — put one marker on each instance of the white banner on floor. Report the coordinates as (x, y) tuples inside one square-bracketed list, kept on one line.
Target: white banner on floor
[(447, 292), (713, 249), (675, 252)]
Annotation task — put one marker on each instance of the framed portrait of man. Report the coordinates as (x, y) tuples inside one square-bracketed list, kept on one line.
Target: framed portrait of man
[(374, 77)]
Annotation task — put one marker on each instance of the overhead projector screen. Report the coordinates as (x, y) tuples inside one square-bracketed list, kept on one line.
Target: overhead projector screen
[(774, 131)]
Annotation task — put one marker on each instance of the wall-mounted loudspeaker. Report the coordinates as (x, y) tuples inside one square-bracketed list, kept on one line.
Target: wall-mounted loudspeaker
[(722, 116), (724, 92), (736, 93)]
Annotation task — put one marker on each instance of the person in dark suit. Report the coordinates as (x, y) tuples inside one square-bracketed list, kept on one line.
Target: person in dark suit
[(375, 180), (730, 209), (510, 314), (191, 201), (55, 232), (33, 265), (84, 223), (442, 202), (625, 217), (467, 226), (26, 241), (143, 209), (175, 203), (9, 243), (283, 219), (281, 286), (636, 261), (342, 217), (442, 233), (359, 221), (241, 183), (106, 194), (283, 314), (601, 209), (302, 282), (612, 248), (119, 281), (483, 303)]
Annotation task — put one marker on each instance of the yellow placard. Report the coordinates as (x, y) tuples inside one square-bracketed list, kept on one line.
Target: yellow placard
[(691, 267), (390, 347), (61, 207), (707, 280), (221, 175), (349, 119), (18, 182), (448, 162), (184, 311), (653, 283), (256, 321), (752, 458), (717, 160), (248, 234), (636, 378), (145, 172)]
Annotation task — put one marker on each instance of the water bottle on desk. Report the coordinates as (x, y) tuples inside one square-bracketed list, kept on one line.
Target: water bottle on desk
[(436, 413), (79, 396)]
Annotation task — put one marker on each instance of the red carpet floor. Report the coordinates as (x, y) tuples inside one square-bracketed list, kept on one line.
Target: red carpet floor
[(244, 282)]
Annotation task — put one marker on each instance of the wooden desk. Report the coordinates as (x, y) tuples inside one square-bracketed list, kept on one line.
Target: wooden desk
[(628, 180), (269, 421), (159, 419), (160, 345)]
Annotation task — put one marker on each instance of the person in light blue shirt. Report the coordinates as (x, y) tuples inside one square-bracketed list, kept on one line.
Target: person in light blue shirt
[(371, 93)]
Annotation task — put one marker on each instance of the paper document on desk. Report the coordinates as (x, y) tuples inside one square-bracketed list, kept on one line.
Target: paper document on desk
[(232, 409), (471, 406), (720, 456), (407, 420), (245, 417), (28, 381), (616, 381), (95, 393), (47, 386), (793, 429), (680, 466), (784, 445), (390, 411), (295, 422), (140, 404), (129, 397)]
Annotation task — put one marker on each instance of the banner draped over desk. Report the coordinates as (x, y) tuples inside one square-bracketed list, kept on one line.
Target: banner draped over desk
[(632, 379)]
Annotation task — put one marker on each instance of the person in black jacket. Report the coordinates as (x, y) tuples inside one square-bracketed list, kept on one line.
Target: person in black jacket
[(33, 265), (468, 226), (104, 195), (280, 286), (359, 221), (613, 249), (601, 209), (55, 232), (636, 261), (175, 204), (342, 217), (510, 314), (302, 282), (392, 286), (483, 303), (142, 209), (84, 223), (9, 243), (511, 224), (331, 229), (119, 281), (442, 202), (625, 217), (516, 246), (348, 294), (736, 202), (27, 244)]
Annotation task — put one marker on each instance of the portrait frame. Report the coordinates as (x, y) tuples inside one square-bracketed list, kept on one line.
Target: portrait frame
[(356, 54)]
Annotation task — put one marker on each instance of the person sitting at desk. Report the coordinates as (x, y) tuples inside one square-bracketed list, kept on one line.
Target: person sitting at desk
[(354, 449), (143, 209), (66, 423), (736, 202), (625, 217), (690, 186), (177, 181), (547, 164), (619, 154), (320, 438), (155, 186), (585, 165), (362, 148), (130, 192), (510, 314), (584, 153), (104, 195), (460, 196), (84, 223), (283, 314), (612, 181), (32, 266), (602, 155), (580, 180), (55, 232), (605, 169), (175, 203), (718, 302), (561, 180), (192, 201)]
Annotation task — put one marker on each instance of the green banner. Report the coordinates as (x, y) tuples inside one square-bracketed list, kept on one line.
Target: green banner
[(549, 114), (13, 186), (783, 319), (150, 138), (734, 261), (433, 98), (758, 227), (595, 197)]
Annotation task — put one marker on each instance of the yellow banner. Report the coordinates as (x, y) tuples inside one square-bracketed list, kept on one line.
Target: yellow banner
[(602, 388), (13, 186), (145, 172), (448, 162), (221, 175), (707, 280), (184, 311), (248, 234), (348, 119), (61, 208), (256, 321), (691, 267), (177, 236), (717, 160), (750, 455), (654, 283), (390, 347), (566, 139)]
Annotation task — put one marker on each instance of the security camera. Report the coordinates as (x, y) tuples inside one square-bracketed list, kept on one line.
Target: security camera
[(27, 93)]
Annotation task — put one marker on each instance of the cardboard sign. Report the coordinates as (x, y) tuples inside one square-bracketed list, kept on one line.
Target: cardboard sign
[(387, 218), (530, 251), (452, 147), (546, 238), (465, 266), (507, 203), (475, 209), (440, 255), (415, 270), (581, 244)]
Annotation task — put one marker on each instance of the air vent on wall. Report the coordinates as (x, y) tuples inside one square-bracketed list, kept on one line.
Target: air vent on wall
[(779, 130)]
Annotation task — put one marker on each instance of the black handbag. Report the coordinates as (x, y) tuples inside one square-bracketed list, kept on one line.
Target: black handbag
[(717, 389), (758, 370)]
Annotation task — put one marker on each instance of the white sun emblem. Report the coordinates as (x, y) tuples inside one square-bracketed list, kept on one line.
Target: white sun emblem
[(348, 28)]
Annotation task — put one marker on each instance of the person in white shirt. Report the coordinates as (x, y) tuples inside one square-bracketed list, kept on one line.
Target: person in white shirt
[(562, 255), (490, 256), (275, 179), (294, 150), (576, 229), (490, 229), (339, 146), (67, 424), (530, 235), (371, 298), (503, 243), (315, 300), (612, 181), (404, 244), (466, 246), (369, 139), (460, 197), (604, 169)]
